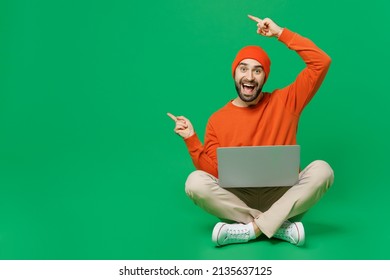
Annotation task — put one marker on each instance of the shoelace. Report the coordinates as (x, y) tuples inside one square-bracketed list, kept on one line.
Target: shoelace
[(237, 234), (284, 231)]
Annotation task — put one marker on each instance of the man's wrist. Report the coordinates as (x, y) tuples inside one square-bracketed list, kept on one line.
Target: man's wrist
[(189, 135), (280, 32)]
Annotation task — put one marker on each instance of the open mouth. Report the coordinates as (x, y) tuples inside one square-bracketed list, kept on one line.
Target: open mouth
[(247, 88)]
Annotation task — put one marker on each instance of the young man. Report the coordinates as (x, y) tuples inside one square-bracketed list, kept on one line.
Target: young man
[(257, 118)]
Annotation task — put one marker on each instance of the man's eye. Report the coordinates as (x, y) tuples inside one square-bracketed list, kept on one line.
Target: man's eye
[(243, 69), (258, 71)]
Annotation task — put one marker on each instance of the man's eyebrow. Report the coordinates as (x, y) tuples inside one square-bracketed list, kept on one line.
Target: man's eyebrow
[(246, 64)]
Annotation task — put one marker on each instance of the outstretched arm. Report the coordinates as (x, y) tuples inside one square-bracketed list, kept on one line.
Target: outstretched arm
[(203, 160), (302, 90)]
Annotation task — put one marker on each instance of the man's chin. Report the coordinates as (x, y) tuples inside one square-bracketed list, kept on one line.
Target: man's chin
[(248, 98)]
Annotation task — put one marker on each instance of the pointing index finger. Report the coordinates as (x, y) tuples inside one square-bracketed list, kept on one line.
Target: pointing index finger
[(172, 117), (255, 19)]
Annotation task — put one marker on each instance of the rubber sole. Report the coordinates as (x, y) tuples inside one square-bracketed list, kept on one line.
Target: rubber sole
[(301, 234), (216, 231)]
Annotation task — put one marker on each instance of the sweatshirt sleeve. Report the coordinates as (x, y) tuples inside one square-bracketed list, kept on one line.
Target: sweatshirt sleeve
[(204, 157), (308, 81)]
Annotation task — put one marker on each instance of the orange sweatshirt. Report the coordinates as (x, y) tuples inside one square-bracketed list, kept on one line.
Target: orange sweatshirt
[(273, 121)]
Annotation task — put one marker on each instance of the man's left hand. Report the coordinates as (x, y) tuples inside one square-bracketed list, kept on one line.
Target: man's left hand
[(267, 27)]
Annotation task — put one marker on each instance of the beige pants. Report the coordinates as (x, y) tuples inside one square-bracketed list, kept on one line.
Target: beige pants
[(267, 207)]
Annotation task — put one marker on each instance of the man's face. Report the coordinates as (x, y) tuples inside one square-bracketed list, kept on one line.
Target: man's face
[(249, 79)]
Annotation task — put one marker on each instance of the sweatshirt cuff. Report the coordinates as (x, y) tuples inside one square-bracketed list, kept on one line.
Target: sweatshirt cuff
[(287, 36), (193, 142)]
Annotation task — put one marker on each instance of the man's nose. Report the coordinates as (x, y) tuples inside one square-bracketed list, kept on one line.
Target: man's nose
[(249, 75)]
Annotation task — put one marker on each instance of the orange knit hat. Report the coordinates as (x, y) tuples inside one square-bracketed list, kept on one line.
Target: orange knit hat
[(256, 53)]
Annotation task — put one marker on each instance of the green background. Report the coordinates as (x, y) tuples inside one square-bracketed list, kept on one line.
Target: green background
[(90, 167)]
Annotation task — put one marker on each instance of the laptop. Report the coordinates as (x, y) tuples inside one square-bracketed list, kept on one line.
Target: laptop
[(258, 166)]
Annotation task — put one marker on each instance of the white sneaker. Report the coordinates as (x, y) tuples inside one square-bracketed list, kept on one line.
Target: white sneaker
[(224, 233), (291, 232)]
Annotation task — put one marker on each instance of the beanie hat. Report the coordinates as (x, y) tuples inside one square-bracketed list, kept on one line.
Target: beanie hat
[(256, 53)]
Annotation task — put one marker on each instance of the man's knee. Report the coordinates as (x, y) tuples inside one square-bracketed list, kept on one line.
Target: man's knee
[(197, 184), (323, 173)]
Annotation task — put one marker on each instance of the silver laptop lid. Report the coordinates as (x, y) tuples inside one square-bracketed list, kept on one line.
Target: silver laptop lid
[(258, 166)]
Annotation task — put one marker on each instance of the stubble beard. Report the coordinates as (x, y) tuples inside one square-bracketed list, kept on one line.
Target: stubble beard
[(245, 98)]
